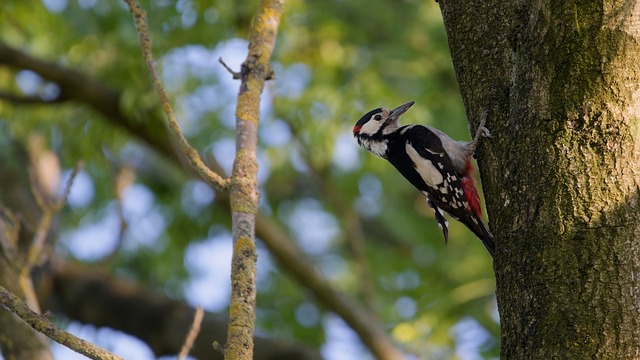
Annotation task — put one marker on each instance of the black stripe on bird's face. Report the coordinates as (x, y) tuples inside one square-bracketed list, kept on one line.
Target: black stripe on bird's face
[(371, 122)]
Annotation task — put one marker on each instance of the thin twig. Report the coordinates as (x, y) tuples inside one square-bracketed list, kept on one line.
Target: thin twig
[(42, 324), (124, 176), (215, 180), (9, 231), (193, 333), (49, 210), (235, 74), (67, 187), (36, 254)]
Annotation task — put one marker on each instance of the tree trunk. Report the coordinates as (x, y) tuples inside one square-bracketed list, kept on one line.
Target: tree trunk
[(562, 172)]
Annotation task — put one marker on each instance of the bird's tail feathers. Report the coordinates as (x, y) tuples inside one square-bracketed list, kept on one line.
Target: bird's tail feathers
[(484, 234)]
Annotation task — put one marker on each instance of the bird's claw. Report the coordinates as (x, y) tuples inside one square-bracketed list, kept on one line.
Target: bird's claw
[(485, 132), (482, 130)]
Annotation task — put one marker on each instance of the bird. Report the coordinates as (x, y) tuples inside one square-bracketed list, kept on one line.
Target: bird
[(438, 166)]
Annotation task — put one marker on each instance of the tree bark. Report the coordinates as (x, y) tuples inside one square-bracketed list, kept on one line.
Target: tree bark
[(562, 174), (243, 189)]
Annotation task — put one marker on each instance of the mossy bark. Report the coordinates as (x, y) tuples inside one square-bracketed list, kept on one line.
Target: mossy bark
[(243, 188), (562, 173)]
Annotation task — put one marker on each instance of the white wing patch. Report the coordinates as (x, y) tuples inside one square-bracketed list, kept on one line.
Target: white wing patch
[(406, 128), (427, 170)]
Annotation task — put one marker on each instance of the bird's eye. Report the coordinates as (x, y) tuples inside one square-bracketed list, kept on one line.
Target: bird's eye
[(377, 117)]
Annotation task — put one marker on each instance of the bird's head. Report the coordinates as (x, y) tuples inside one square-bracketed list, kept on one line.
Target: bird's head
[(379, 122)]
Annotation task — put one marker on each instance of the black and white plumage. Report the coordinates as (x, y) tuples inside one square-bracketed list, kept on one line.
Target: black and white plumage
[(430, 160)]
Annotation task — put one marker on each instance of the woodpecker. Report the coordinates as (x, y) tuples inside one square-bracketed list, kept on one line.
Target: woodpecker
[(438, 166)]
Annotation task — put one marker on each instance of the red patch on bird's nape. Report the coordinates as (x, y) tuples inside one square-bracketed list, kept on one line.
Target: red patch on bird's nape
[(356, 129), (470, 191)]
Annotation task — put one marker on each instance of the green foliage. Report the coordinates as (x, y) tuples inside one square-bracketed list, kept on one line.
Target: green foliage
[(334, 61)]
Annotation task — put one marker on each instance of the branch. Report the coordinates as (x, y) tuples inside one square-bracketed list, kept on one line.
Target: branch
[(193, 333), (350, 221), (35, 253), (41, 324), (297, 263), (88, 295), (205, 173), (280, 244), (49, 210), (78, 87), (243, 192), (35, 99), (234, 74)]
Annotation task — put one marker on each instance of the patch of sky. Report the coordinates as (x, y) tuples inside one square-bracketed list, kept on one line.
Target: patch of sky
[(292, 80), (369, 200), (274, 132), (87, 4), (92, 241), (28, 82), (264, 167), (145, 221), (405, 307), (312, 226), (345, 153), (332, 266), (470, 337), (297, 160), (307, 314), (407, 280), (55, 6), (82, 191), (195, 196), (119, 343), (342, 342), (224, 150), (209, 263), (189, 14)]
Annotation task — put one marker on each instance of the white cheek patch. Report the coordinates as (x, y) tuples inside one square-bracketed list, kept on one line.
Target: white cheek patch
[(425, 168), (371, 127)]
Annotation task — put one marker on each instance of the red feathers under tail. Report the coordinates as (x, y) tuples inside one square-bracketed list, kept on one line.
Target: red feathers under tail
[(470, 191)]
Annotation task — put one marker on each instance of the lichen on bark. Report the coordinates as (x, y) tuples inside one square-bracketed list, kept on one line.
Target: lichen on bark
[(561, 174)]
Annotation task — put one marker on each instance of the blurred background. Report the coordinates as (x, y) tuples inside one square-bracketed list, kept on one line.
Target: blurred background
[(137, 213)]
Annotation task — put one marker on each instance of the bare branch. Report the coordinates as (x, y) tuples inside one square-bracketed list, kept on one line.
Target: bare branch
[(87, 294), (350, 221), (41, 324), (9, 231), (279, 243), (49, 210), (193, 333), (203, 170), (298, 263), (236, 75), (67, 187), (35, 99), (79, 87), (243, 191)]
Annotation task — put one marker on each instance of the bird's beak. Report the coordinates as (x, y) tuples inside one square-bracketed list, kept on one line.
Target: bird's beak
[(395, 114)]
